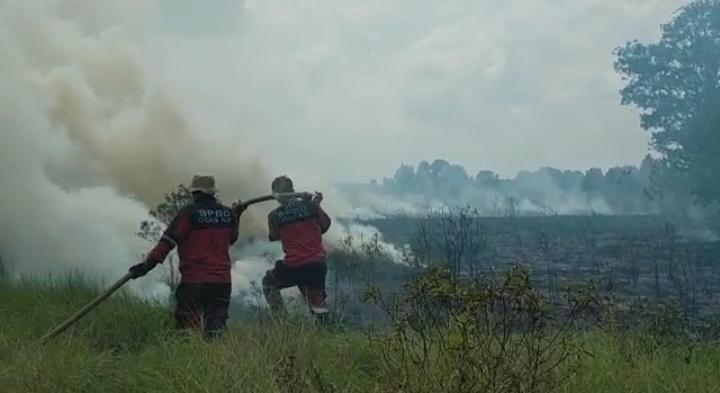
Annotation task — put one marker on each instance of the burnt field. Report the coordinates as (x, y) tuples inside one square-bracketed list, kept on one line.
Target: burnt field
[(641, 259)]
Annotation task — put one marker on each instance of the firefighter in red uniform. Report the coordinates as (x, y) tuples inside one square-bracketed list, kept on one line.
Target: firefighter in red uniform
[(203, 233), (298, 223)]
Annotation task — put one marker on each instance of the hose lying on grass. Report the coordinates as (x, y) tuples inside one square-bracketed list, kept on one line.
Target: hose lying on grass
[(127, 277)]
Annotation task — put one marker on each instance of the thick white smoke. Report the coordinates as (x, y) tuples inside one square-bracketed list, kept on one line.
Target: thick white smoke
[(45, 225), (90, 137)]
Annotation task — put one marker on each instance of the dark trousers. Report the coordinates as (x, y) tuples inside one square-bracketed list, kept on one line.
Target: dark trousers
[(202, 307), (309, 278)]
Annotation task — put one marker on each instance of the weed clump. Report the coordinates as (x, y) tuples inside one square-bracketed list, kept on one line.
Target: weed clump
[(480, 335)]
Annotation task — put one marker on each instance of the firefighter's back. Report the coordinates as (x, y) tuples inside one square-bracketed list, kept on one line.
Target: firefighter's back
[(299, 225), (204, 253)]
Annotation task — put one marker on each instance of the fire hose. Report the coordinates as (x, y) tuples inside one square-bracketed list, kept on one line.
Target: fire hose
[(127, 277)]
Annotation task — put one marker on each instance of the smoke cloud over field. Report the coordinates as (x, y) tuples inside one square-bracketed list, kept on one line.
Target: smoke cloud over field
[(51, 77), (90, 138), (106, 105)]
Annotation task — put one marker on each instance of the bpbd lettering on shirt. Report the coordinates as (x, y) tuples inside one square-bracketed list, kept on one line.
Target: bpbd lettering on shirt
[(218, 216), (294, 212)]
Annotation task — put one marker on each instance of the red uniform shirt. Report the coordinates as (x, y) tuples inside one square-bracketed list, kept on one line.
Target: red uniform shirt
[(203, 232), (299, 225)]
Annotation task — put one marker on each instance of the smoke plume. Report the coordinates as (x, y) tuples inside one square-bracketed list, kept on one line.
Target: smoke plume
[(91, 137)]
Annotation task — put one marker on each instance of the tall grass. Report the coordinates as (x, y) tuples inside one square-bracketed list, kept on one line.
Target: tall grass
[(128, 345), (627, 364)]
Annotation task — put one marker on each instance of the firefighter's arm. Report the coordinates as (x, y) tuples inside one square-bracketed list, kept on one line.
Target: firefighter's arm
[(272, 231), (175, 233), (235, 234), (323, 220), (237, 211)]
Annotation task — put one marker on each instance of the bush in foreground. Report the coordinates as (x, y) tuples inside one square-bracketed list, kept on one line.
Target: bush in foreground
[(128, 345)]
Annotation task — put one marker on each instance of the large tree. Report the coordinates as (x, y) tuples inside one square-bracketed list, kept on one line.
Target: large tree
[(675, 83)]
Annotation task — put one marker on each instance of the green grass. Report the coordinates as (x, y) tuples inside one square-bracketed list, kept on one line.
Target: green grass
[(128, 345), (631, 364)]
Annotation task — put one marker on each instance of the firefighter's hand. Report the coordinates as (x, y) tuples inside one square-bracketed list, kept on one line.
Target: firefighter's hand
[(238, 208), (317, 198), (141, 269)]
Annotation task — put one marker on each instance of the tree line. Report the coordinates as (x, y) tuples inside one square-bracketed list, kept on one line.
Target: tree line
[(675, 83), (618, 190)]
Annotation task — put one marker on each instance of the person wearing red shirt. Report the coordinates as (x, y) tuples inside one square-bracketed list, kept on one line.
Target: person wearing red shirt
[(298, 223), (203, 232)]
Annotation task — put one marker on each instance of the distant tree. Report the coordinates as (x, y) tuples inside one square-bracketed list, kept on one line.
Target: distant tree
[(404, 178), (593, 182), (701, 152), (647, 165), (488, 179), (622, 188), (452, 181), (438, 167), (669, 189), (571, 181), (423, 168), (423, 178), (625, 189), (675, 82)]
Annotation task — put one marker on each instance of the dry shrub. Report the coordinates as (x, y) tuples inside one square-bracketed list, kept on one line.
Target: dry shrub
[(469, 336)]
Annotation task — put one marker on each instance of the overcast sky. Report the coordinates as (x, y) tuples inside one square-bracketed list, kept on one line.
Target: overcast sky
[(349, 89)]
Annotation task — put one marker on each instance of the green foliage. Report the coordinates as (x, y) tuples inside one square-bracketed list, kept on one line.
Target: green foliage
[(3, 269), (675, 83), (33, 308), (672, 80), (479, 336), (623, 364), (701, 152), (128, 345)]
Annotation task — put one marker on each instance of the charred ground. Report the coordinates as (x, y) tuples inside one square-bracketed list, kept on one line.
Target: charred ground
[(640, 258)]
